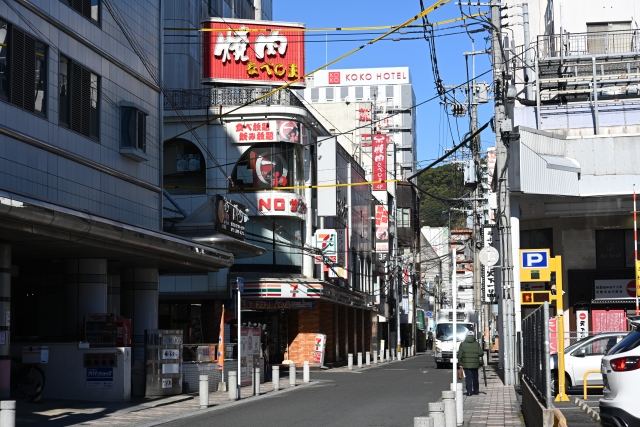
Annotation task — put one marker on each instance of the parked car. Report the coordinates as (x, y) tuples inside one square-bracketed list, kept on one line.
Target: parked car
[(621, 374), (583, 356)]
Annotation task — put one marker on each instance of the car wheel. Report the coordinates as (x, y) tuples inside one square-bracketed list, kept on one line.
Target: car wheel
[(554, 383), (439, 365)]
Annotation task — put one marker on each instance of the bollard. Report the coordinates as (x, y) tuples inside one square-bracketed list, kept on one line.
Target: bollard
[(449, 400), (394, 354), (305, 372), (275, 377), (422, 422), (292, 374), (256, 381), (350, 360), (233, 385), (367, 357), (204, 391), (413, 350), (459, 404), (375, 357), (386, 355), (401, 354), (360, 360), (8, 413), (436, 411)]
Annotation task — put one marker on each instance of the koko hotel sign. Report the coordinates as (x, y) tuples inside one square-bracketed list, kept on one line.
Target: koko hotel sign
[(242, 51), (363, 77)]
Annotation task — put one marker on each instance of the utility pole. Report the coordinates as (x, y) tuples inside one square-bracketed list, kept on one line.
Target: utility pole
[(503, 128)]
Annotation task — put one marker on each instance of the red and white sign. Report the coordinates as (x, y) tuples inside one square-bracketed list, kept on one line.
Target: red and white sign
[(252, 52), (553, 335), (363, 76), (582, 323), (339, 269), (278, 203), (319, 349), (609, 320), (327, 243), (264, 131), (614, 289), (379, 156), (382, 233)]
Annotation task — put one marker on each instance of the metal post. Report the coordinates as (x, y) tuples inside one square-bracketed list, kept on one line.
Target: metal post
[(454, 293), (233, 385), (537, 95), (547, 356), (203, 391), (459, 404), (359, 360), (436, 411), (527, 50), (350, 361), (256, 382), (386, 355), (305, 372), (239, 345), (367, 358), (292, 374), (595, 95), (275, 377), (375, 357)]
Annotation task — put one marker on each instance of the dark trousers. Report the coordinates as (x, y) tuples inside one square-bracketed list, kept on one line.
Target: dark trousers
[(471, 378)]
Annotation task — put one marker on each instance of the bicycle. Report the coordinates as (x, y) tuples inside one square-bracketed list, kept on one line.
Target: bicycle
[(28, 379)]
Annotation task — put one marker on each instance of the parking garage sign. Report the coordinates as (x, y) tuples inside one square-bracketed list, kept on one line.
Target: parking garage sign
[(534, 259)]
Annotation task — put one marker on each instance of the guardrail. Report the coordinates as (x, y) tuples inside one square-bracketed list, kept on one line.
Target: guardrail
[(584, 382), (588, 44), (536, 359)]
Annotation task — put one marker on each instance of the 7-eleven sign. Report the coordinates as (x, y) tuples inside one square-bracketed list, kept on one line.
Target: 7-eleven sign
[(327, 243)]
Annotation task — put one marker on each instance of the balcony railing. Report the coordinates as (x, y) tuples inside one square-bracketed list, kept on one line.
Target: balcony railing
[(191, 99), (587, 44)]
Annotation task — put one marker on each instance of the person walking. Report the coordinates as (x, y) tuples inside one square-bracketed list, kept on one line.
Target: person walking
[(430, 340), (469, 354)]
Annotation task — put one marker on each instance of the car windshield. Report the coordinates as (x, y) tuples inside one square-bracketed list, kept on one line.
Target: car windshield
[(630, 342), (444, 331), (576, 344)]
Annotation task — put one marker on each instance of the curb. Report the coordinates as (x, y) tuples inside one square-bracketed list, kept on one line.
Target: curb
[(587, 409)]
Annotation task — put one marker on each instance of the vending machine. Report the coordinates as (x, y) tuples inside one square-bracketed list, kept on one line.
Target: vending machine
[(107, 330)]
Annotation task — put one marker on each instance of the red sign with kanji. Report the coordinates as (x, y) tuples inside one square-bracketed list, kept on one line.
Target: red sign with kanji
[(253, 52), (379, 156)]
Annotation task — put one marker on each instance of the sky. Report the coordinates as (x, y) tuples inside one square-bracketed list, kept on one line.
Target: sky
[(436, 130)]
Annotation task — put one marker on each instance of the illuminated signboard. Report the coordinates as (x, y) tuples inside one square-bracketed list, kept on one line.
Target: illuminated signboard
[(379, 156), (252, 52)]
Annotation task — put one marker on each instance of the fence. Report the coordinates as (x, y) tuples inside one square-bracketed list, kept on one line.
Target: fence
[(228, 96), (588, 44), (535, 353)]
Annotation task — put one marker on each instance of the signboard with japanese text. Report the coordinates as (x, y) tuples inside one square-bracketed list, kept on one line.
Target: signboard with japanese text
[(382, 233), (553, 335), (379, 157), (611, 289), (319, 348), (250, 353), (251, 132), (252, 52), (279, 304), (327, 243), (582, 323), (488, 273), (363, 76), (99, 377), (230, 217), (339, 269)]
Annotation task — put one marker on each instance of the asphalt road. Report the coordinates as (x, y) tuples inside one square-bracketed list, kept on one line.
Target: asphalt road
[(387, 395)]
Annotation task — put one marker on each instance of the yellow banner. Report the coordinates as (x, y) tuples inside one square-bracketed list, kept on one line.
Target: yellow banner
[(638, 278)]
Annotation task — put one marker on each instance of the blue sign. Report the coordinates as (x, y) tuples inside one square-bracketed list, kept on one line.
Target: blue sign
[(429, 314), (241, 284), (99, 377), (534, 259)]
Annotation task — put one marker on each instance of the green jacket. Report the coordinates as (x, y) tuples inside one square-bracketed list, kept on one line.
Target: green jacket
[(469, 352)]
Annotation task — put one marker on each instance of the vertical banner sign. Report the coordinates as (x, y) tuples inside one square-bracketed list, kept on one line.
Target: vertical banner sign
[(382, 233), (319, 349), (250, 342), (582, 323), (339, 269), (488, 273), (609, 320), (379, 150), (221, 343), (327, 243), (553, 335), (252, 52), (638, 278)]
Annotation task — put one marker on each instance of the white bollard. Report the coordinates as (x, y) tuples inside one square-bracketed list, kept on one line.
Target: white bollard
[(394, 354), (367, 357), (350, 361), (292, 374), (436, 411), (401, 354), (305, 372), (459, 404), (360, 360), (233, 385), (8, 413), (422, 422), (386, 355), (204, 392), (275, 377), (375, 357), (256, 381), (449, 400), (413, 350)]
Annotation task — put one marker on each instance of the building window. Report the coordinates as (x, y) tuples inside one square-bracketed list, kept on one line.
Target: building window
[(79, 89), (23, 69), (184, 166), (329, 93), (90, 9), (344, 93), (403, 217), (133, 131), (315, 94), (359, 93)]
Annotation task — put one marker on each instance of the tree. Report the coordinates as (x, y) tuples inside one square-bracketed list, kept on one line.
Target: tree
[(446, 182)]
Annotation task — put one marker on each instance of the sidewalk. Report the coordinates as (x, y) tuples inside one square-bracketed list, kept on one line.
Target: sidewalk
[(497, 405), (143, 412)]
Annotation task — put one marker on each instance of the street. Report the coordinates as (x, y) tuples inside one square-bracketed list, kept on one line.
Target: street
[(387, 395)]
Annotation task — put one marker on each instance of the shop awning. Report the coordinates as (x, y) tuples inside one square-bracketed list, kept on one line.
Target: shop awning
[(420, 324)]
